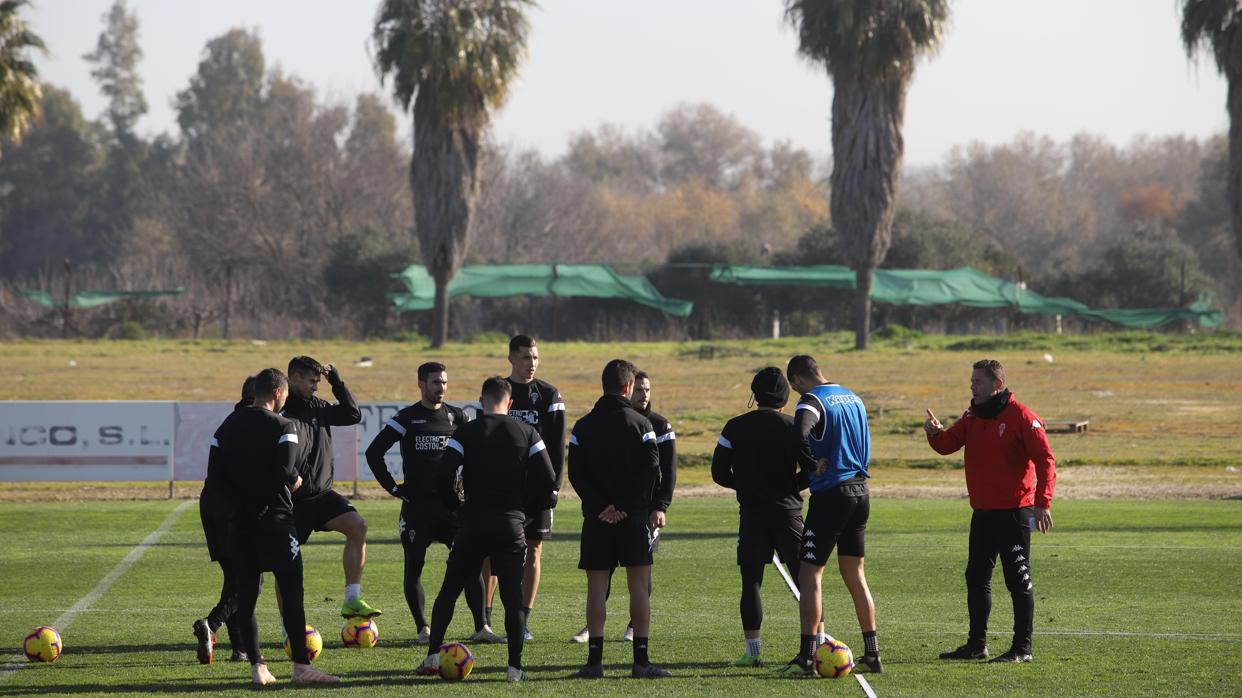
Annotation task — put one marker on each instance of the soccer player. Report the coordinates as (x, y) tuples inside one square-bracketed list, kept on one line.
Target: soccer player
[(255, 449), (539, 404), (317, 506), (830, 429), (214, 510), (757, 456), (662, 496), (423, 430), (1010, 476), (613, 465), (505, 473)]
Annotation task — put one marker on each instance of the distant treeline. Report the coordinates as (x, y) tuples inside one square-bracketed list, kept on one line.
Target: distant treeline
[(284, 214)]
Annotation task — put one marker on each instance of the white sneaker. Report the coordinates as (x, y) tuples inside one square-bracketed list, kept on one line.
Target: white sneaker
[(260, 675), (424, 636), (486, 636), (430, 665), (526, 635), (513, 675), (628, 635), (582, 637)]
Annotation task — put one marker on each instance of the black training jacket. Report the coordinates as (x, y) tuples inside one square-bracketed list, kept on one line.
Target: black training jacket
[(316, 417), (613, 458)]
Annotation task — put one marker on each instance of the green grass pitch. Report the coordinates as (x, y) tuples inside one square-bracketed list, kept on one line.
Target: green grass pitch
[(1132, 598)]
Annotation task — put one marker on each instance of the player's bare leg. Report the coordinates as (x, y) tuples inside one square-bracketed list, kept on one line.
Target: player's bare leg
[(530, 580), (864, 607), (353, 559)]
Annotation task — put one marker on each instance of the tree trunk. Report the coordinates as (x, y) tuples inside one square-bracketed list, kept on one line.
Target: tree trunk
[(1234, 102), (862, 307), (440, 332), (228, 299)]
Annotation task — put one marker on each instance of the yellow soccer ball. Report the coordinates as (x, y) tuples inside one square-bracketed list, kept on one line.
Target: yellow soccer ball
[(314, 644), (456, 662), (833, 660), (360, 632), (42, 644)]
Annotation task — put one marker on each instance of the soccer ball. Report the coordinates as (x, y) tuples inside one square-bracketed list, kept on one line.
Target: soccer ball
[(314, 644), (833, 660), (456, 662), (42, 644), (360, 632)]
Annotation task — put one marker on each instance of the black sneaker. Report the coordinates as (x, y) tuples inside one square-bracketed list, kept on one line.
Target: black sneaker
[(1013, 656), (589, 671), (872, 662), (206, 642), (967, 651), (797, 667), (239, 656), (649, 671)]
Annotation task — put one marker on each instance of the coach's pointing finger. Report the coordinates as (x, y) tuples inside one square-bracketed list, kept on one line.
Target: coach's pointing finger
[(932, 425)]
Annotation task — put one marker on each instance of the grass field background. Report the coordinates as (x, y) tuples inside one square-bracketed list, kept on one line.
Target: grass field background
[(1137, 588), (1132, 598)]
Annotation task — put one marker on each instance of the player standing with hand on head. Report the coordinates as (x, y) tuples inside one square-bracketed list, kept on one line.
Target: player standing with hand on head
[(613, 465), (505, 473), (256, 451), (1010, 476), (830, 428), (317, 506), (423, 430)]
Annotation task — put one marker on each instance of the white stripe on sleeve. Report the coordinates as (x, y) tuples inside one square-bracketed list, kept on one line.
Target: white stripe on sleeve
[(573, 439), (556, 407), (214, 443), (670, 436), (291, 438), (456, 446), (396, 426), (807, 406), (724, 442), (649, 436), (536, 448)]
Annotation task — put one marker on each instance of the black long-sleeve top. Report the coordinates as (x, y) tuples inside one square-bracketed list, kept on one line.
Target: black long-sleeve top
[(505, 468), (666, 444), (757, 455), (423, 434), (317, 417), (255, 452), (613, 458)]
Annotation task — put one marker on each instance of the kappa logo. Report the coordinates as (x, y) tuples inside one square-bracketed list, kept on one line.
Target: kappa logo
[(1026, 577), (418, 421), (1002, 429), (1024, 568), (1016, 549), (294, 548), (809, 556), (809, 545), (1019, 559), (808, 533), (1035, 424), (1028, 586)]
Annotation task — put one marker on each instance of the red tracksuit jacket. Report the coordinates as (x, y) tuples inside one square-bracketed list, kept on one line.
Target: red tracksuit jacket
[(1009, 463)]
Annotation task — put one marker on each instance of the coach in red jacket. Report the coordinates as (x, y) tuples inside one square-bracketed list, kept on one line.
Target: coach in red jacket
[(1010, 474)]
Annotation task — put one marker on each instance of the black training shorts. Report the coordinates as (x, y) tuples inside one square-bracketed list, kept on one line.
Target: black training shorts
[(837, 517), (314, 512), (604, 546), (423, 522), (539, 526), (269, 544), (214, 512), (760, 532), (499, 537)]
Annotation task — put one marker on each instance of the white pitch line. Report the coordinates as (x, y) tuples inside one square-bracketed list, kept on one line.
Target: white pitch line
[(19, 660), (866, 687)]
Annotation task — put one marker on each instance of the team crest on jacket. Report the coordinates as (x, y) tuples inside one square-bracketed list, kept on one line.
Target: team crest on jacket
[(534, 394), (1002, 428)]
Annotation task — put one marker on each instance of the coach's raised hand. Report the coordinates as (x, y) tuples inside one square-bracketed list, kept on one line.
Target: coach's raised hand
[(932, 425)]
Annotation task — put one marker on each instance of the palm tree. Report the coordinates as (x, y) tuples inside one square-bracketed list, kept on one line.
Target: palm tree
[(1215, 26), (20, 93), (868, 48), (454, 59)]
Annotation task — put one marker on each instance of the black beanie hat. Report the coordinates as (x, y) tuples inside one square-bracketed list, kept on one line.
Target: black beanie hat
[(770, 387)]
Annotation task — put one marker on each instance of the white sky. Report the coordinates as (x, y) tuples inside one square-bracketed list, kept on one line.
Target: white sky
[(1056, 67)]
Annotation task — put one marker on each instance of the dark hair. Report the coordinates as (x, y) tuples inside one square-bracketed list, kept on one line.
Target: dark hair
[(992, 367), (770, 387), (803, 365), (429, 368), (304, 365), (248, 391), (520, 341), (641, 375), (496, 389), (617, 373), (268, 381)]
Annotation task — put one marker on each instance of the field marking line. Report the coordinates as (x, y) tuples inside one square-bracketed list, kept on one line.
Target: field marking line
[(866, 687), (789, 582), (17, 661)]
